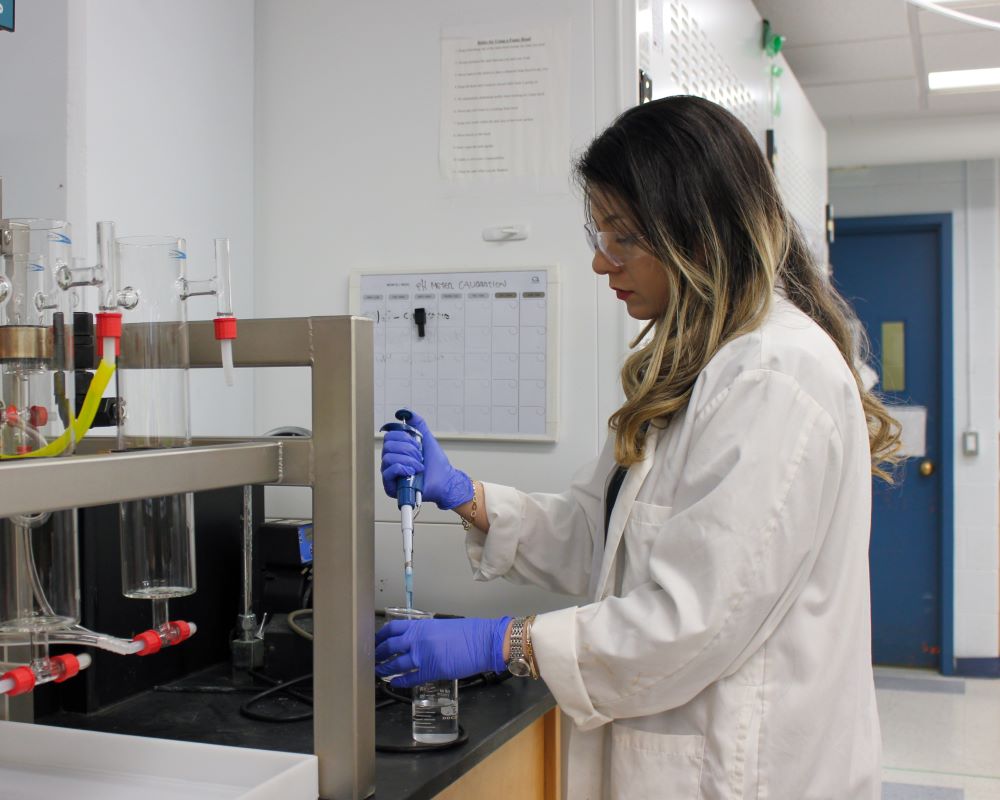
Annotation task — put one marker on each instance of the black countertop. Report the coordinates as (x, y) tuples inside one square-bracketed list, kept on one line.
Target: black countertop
[(490, 715)]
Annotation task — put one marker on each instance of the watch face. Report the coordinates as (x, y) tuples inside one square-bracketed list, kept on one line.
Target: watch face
[(519, 668)]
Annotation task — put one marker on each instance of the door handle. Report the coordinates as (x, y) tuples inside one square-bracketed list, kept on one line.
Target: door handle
[(926, 468)]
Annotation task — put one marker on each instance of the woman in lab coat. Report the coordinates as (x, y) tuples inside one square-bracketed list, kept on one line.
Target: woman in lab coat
[(721, 538)]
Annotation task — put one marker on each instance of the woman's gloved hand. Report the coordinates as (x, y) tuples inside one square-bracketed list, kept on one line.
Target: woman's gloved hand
[(423, 650), (401, 457)]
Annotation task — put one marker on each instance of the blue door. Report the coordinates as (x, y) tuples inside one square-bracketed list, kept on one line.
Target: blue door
[(895, 272)]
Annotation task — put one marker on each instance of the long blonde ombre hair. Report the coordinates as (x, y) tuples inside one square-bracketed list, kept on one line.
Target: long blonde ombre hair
[(693, 183)]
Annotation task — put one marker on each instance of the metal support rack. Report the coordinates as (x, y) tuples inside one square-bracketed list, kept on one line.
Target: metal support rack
[(336, 462)]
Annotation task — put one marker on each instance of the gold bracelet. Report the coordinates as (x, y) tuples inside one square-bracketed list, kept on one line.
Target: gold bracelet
[(529, 650), (466, 524)]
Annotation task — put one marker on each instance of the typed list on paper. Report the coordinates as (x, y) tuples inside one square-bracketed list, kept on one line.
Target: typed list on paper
[(504, 105)]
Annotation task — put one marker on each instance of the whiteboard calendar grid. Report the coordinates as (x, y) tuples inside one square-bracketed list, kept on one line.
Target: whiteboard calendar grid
[(484, 366)]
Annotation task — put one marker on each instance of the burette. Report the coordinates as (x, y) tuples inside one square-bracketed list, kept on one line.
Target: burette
[(409, 491)]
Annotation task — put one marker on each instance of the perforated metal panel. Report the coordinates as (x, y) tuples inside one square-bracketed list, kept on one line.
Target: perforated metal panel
[(697, 67), (802, 194)]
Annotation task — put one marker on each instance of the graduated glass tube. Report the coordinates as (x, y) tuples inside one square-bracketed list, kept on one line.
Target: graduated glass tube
[(157, 534), (39, 564)]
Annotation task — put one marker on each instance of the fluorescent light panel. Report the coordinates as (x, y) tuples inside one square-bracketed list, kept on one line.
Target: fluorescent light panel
[(965, 80)]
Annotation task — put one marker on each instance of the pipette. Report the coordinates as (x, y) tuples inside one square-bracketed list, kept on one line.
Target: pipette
[(409, 491)]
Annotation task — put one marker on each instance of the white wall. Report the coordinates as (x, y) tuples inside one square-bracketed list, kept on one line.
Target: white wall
[(347, 121), (935, 139), (347, 179), (33, 133), (969, 191), (160, 140)]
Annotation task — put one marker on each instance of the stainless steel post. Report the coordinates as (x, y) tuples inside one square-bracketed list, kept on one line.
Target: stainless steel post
[(344, 556)]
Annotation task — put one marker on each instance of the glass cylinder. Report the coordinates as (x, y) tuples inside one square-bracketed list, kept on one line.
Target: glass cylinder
[(39, 564), (435, 703), (157, 534)]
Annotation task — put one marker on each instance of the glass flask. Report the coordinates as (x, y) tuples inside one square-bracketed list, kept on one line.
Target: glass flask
[(157, 534), (39, 564)]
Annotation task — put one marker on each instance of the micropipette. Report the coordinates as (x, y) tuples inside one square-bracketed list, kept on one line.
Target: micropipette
[(409, 491)]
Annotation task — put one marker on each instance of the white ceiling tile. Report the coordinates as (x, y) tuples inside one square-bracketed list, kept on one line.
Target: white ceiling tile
[(855, 61), (852, 61), (971, 103), (971, 49), (807, 22), (853, 100)]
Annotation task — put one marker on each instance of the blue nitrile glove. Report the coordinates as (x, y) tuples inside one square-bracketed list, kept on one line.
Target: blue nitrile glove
[(401, 457), (439, 649)]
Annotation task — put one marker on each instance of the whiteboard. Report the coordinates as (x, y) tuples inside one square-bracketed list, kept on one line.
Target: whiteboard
[(485, 367)]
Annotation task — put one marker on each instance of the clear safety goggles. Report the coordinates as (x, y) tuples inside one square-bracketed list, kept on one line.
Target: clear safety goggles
[(616, 247)]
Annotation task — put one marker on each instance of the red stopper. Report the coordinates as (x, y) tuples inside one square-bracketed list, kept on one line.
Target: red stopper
[(70, 666), (39, 416), (109, 323), (21, 449), (151, 642), (24, 681), (225, 328), (183, 630), (11, 415)]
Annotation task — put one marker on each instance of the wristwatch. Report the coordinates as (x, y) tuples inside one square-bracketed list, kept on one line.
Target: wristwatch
[(519, 663)]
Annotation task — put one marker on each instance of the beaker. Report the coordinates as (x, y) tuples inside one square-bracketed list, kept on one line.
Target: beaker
[(39, 574), (435, 703), (157, 534)]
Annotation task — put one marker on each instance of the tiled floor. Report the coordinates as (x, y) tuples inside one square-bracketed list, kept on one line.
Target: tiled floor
[(940, 736)]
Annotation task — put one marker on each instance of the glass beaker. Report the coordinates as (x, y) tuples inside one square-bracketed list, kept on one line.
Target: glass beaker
[(435, 703), (39, 564), (157, 534)]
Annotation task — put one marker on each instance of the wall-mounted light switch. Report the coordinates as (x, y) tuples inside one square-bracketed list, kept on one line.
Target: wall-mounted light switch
[(970, 443)]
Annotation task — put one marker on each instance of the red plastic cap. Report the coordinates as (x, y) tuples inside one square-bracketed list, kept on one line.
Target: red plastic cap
[(109, 323), (39, 416), (225, 328), (24, 680), (151, 642), (70, 666), (11, 415), (183, 630), (21, 449)]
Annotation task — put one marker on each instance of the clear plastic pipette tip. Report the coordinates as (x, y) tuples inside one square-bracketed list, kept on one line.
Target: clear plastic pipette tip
[(407, 528)]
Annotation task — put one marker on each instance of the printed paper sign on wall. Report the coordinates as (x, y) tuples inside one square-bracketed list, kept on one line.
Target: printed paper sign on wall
[(504, 104)]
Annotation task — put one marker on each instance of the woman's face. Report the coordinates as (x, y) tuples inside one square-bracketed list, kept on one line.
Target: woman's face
[(638, 279)]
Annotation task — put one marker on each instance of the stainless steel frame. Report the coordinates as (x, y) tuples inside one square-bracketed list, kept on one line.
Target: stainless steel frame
[(336, 462)]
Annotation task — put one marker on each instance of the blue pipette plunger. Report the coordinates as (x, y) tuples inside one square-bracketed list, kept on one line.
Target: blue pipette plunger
[(409, 492)]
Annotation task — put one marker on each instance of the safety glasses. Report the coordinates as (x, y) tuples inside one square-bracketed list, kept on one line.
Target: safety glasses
[(616, 247)]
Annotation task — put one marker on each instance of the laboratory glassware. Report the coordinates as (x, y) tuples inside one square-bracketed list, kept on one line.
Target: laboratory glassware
[(157, 533), (39, 565), (435, 703)]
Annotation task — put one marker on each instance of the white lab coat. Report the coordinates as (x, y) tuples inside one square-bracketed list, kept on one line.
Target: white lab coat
[(726, 650)]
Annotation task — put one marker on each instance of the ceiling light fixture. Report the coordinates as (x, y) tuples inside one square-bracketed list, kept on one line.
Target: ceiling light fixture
[(965, 80), (961, 16)]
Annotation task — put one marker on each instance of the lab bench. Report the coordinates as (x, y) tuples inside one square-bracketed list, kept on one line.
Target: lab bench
[(512, 748)]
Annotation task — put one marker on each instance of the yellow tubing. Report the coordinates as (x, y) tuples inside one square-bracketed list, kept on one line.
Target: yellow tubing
[(78, 429)]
